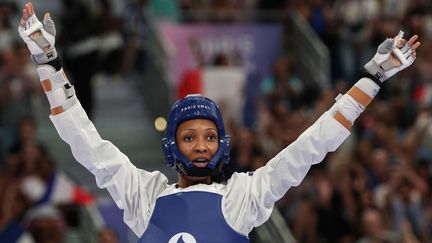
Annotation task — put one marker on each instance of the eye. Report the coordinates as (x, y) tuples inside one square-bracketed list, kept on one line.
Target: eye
[(212, 137), (187, 138)]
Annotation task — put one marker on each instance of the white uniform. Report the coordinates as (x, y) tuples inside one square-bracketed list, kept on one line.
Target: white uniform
[(247, 198)]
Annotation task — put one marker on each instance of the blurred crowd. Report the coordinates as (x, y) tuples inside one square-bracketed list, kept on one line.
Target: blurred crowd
[(375, 188)]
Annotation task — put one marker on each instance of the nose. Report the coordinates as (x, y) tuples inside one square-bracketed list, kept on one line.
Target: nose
[(201, 146)]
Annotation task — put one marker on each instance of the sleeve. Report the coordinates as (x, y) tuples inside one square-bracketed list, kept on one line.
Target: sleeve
[(250, 197), (132, 189)]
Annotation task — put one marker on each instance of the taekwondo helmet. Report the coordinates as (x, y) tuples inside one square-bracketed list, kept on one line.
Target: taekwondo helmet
[(195, 107)]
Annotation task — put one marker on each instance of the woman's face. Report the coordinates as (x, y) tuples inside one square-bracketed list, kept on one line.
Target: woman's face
[(197, 140)]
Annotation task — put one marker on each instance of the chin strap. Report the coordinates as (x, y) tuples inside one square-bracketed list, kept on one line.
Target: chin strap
[(198, 172), (59, 91)]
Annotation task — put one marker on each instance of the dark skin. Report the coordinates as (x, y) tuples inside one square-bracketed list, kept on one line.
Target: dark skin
[(197, 140)]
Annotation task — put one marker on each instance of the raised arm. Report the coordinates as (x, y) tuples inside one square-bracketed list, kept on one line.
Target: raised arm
[(40, 40), (393, 55), (132, 189), (252, 207)]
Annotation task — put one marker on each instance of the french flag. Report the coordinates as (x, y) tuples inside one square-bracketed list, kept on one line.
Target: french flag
[(58, 189)]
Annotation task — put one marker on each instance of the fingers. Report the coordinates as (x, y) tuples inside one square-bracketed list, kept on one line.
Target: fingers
[(398, 40), (49, 24), (24, 18), (412, 40), (29, 18), (29, 8), (27, 12), (413, 43), (415, 46), (409, 47), (400, 43)]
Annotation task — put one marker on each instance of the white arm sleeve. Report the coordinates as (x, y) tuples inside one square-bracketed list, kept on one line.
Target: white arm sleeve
[(250, 197), (132, 189)]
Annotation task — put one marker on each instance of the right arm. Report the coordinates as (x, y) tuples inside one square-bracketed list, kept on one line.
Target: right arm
[(132, 189)]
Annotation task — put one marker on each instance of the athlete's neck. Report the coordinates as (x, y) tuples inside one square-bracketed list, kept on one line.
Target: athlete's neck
[(185, 181)]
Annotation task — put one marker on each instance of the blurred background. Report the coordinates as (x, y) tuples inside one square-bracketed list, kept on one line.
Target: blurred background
[(274, 66)]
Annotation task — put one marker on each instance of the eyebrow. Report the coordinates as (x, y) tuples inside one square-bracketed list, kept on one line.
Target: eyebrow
[(193, 129)]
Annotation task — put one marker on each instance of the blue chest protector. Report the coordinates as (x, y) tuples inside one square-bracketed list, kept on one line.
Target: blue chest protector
[(190, 217)]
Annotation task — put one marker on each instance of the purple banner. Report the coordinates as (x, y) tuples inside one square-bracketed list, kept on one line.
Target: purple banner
[(253, 47)]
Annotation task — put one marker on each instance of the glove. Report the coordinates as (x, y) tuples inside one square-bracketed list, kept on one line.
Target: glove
[(393, 55), (40, 38)]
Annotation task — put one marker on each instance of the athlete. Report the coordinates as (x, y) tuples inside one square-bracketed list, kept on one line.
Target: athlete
[(198, 208)]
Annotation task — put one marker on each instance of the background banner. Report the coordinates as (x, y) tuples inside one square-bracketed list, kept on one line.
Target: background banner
[(252, 47)]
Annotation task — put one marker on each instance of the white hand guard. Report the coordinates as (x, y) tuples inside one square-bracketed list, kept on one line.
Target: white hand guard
[(390, 59), (40, 38)]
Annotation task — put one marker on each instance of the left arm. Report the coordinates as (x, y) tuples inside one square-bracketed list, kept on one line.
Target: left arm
[(250, 198)]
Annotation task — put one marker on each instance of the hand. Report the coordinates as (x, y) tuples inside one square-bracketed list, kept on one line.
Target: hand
[(40, 38), (393, 55)]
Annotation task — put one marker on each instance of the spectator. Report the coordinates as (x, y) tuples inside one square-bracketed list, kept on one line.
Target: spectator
[(375, 228)]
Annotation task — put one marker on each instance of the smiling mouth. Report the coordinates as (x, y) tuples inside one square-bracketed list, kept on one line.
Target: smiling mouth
[(200, 163)]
